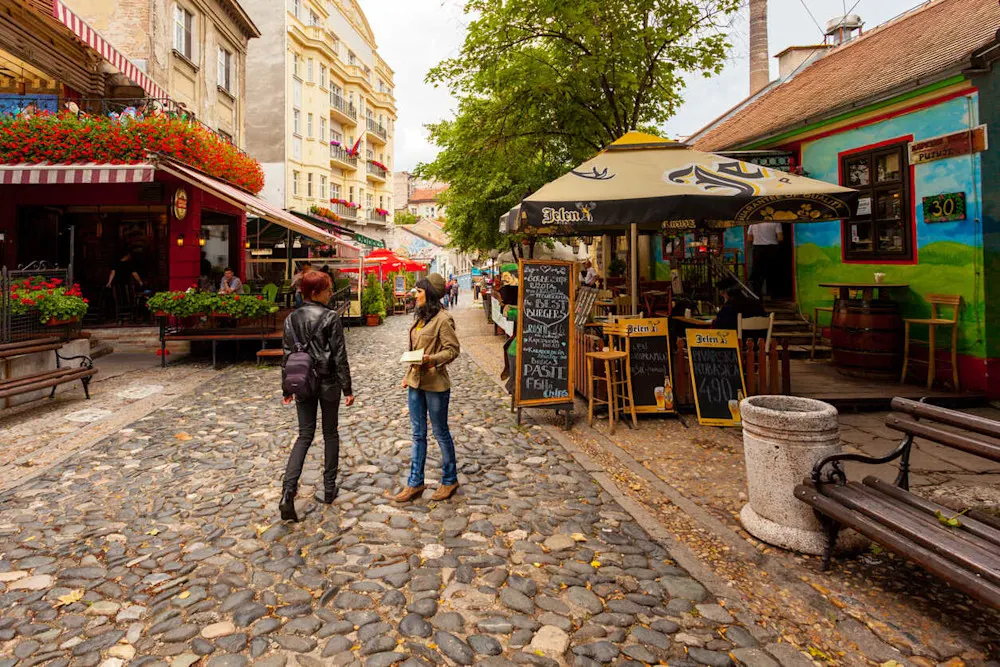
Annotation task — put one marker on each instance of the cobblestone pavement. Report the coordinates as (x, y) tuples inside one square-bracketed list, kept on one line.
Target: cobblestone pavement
[(865, 610), (160, 545)]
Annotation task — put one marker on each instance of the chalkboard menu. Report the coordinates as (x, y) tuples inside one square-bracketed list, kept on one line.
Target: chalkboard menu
[(717, 376), (544, 342), (648, 342)]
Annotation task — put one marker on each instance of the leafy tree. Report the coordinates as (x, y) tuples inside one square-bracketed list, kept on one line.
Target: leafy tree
[(405, 218), (544, 84)]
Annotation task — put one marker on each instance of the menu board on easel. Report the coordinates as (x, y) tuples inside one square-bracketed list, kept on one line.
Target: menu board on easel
[(716, 375), (545, 361), (648, 341)]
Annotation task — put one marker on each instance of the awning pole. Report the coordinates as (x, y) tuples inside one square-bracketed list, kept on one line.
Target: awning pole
[(288, 253), (634, 250)]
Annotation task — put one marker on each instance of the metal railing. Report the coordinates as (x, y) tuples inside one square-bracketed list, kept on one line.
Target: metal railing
[(345, 211), (376, 128), (343, 106), (701, 274), (377, 218), (376, 170), (120, 108), (340, 153), (28, 325)]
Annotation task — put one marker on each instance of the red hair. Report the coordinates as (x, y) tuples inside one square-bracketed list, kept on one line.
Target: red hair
[(313, 283)]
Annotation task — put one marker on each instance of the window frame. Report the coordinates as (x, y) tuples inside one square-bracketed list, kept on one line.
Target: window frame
[(297, 122), (322, 129), (309, 126), (309, 185), (295, 182), (184, 21), (225, 67), (907, 213)]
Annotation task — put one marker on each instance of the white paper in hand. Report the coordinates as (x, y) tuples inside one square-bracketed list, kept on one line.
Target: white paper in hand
[(413, 357)]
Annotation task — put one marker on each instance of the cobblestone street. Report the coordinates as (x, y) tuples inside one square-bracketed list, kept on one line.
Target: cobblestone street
[(161, 545)]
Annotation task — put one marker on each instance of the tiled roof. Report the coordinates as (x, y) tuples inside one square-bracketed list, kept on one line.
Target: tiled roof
[(427, 194), (428, 231), (926, 41)]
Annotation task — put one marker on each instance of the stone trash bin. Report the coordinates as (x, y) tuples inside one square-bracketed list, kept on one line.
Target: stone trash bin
[(783, 437)]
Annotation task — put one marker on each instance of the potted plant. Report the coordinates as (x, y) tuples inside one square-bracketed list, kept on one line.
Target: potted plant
[(56, 303), (372, 301), (243, 306)]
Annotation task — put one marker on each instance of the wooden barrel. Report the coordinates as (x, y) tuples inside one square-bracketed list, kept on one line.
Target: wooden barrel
[(867, 337)]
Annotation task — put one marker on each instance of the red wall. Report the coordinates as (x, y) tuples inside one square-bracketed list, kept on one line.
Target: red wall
[(184, 261)]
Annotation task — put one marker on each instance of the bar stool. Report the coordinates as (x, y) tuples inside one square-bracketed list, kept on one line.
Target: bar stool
[(953, 301), (611, 360), (817, 333)]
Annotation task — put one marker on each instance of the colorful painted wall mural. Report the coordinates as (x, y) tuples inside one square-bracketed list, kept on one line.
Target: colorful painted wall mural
[(949, 255)]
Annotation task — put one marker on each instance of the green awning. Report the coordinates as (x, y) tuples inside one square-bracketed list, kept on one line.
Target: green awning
[(371, 243)]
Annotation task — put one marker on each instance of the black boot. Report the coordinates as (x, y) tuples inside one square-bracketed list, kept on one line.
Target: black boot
[(287, 504), (329, 491)]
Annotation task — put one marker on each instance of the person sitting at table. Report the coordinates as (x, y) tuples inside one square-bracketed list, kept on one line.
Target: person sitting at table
[(736, 303), (230, 283)]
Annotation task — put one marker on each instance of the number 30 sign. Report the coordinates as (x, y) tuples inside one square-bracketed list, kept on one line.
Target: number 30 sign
[(944, 208)]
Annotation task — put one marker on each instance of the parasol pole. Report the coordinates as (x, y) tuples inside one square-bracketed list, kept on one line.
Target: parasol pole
[(634, 251)]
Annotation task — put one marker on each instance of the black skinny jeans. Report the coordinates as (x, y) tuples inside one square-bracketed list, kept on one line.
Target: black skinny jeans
[(329, 402)]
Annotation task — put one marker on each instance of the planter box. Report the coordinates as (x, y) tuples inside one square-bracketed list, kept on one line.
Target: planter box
[(372, 320), (60, 323)]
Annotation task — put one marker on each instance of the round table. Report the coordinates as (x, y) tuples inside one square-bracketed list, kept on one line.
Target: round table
[(867, 331)]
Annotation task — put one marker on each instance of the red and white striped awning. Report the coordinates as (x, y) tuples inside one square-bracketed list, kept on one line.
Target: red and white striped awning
[(92, 38), (69, 174)]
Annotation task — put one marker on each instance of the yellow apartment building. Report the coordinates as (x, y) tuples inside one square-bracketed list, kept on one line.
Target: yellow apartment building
[(321, 112)]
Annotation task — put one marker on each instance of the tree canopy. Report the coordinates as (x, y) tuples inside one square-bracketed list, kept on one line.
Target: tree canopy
[(544, 84)]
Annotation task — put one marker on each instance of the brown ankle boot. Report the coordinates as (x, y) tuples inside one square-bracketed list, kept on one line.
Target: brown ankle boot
[(409, 493), (444, 492)]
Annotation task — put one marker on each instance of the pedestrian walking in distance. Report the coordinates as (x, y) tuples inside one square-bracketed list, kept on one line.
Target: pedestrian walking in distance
[(314, 373), (429, 389)]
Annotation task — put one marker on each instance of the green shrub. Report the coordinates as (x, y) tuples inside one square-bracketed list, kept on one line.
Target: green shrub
[(372, 299)]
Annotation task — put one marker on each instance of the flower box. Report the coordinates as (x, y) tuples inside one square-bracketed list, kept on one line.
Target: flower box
[(60, 323)]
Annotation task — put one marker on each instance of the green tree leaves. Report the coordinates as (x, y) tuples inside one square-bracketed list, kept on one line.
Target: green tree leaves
[(544, 84)]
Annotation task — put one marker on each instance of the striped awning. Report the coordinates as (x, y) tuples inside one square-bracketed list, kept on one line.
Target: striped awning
[(71, 174), (93, 39)]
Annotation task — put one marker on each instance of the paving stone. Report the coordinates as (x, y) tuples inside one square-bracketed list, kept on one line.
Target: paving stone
[(484, 645), (425, 608), (414, 625), (551, 641), (454, 648), (384, 659), (711, 658), (265, 626), (335, 646), (584, 599), (517, 601), (227, 661), (640, 653), (754, 657)]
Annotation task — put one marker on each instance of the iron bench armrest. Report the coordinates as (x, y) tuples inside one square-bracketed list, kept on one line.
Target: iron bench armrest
[(836, 474)]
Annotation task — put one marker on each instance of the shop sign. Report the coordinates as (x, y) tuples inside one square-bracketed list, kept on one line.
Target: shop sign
[(261, 252), (371, 243), (180, 203), (948, 145), (945, 207)]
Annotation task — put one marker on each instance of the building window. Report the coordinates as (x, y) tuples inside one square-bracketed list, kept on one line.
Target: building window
[(882, 227), (336, 136), (225, 135), (295, 64), (322, 187), (351, 58), (334, 190), (183, 29), (350, 193), (296, 93), (225, 70), (296, 7), (313, 18), (309, 126), (309, 71), (295, 183), (322, 76), (309, 185), (322, 128), (296, 121), (369, 201)]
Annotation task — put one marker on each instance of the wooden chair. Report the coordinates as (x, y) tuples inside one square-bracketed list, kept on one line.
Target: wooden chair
[(623, 306), (817, 333), (611, 360), (756, 324), (618, 340), (953, 301)]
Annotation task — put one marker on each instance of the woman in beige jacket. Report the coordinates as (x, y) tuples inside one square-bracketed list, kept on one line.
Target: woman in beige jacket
[(429, 388)]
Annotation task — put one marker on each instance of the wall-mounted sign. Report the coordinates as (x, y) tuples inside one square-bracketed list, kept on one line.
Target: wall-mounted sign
[(180, 203), (944, 208), (949, 145), (261, 252), (865, 206)]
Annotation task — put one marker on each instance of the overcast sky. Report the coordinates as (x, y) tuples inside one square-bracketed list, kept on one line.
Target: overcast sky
[(414, 35)]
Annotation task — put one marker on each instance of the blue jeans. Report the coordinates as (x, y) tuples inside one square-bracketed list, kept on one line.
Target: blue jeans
[(434, 403)]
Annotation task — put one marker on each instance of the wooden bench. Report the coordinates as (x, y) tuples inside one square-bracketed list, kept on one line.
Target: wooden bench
[(966, 555), (45, 379), (269, 353), (215, 336)]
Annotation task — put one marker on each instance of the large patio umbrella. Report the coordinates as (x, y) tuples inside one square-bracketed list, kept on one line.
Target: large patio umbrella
[(642, 182)]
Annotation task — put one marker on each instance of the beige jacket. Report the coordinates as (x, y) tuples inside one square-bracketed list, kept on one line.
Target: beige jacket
[(438, 340)]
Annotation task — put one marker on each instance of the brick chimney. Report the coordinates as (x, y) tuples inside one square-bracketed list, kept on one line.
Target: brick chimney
[(760, 75)]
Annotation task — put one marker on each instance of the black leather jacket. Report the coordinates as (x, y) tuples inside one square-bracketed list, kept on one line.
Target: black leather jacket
[(326, 347)]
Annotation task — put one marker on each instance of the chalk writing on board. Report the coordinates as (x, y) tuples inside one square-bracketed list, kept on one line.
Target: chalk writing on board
[(544, 354)]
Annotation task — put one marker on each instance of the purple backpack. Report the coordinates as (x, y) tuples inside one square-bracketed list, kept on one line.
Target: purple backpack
[(300, 378)]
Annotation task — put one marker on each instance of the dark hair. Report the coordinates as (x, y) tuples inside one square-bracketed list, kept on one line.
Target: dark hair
[(432, 307), (228, 268), (313, 283)]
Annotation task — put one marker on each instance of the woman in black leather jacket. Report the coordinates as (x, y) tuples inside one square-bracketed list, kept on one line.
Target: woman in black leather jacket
[(319, 328)]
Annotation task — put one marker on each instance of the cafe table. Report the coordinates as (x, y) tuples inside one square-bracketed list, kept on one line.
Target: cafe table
[(702, 322), (866, 331)]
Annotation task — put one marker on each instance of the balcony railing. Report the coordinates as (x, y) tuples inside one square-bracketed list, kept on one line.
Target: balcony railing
[(377, 171), (340, 153), (377, 129), (343, 106), (375, 217), (345, 211)]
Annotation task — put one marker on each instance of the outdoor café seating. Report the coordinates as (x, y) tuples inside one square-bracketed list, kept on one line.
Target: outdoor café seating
[(937, 301)]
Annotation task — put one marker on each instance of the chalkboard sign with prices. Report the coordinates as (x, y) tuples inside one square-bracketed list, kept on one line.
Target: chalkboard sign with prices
[(648, 343), (545, 358), (717, 376)]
